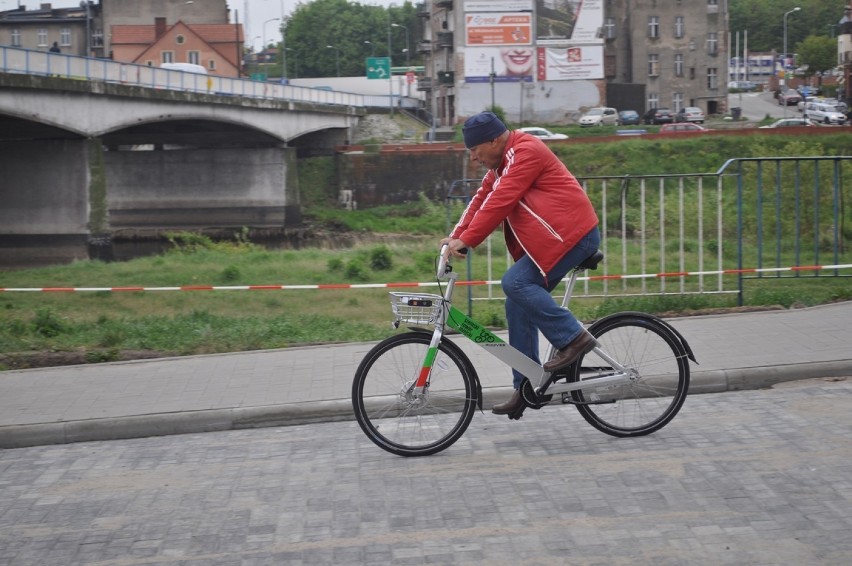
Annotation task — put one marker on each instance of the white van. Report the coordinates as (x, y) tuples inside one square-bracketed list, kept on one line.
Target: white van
[(599, 117), (185, 67), (823, 113)]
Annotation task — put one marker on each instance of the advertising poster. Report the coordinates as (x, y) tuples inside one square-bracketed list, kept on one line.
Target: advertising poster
[(560, 21), (514, 28), (582, 62), (511, 63)]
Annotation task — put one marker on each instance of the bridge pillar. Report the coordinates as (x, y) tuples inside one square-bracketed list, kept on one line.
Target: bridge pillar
[(44, 190)]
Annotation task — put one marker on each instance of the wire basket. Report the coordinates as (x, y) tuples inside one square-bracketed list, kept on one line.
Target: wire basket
[(416, 308)]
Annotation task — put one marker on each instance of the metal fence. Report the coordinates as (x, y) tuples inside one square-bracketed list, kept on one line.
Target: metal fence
[(707, 233), (32, 62)]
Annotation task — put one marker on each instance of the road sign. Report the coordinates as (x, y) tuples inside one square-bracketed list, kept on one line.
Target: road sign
[(378, 67)]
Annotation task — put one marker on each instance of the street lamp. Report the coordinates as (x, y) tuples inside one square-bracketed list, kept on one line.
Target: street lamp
[(336, 56), (406, 50), (784, 63), (264, 29), (372, 47)]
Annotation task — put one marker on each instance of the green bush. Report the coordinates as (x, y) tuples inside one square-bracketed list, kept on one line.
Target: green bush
[(381, 259), (46, 323)]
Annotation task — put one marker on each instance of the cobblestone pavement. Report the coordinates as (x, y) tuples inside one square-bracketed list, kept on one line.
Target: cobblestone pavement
[(750, 477)]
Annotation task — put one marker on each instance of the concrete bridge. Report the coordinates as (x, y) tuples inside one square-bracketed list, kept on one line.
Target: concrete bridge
[(84, 162)]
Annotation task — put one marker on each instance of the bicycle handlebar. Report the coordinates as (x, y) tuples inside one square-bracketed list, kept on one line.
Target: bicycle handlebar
[(443, 260)]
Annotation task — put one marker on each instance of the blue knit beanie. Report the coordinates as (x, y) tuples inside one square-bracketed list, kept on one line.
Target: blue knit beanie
[(482, 128)]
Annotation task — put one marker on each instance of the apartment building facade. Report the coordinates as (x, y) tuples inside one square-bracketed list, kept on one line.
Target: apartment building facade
[(550, 60), (145, 32)]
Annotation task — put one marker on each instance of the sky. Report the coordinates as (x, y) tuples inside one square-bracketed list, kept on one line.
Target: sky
[(259, 13)]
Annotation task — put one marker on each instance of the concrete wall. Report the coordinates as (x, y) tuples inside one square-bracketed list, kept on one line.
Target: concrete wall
[(398, 176), (543, 102), (150, 191)]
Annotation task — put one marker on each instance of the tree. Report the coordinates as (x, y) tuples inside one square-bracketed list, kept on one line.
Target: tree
[(818, 53), (764, 20), (346, 27)]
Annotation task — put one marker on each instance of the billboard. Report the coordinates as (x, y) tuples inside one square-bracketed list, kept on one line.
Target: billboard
[(510, 63), (581, 62), (561, 21), (508, 28)]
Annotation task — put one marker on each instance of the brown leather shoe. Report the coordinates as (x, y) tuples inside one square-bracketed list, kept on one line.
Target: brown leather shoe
[(582, 344), (514, 403)]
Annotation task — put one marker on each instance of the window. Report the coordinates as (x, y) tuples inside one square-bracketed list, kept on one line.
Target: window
[(678, 64), (180, 40), (712, 78), (712, 43), (653, 100), (98, 38), (653, 27), (678, 29), (167, 57), (609, 28), (65, 37), (16, 37), (692, 73), (41, 34), (193, 57), (677, 101), (653, 65), (211, 64)]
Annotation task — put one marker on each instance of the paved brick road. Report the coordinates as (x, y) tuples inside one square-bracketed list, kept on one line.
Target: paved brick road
[(750, 477)]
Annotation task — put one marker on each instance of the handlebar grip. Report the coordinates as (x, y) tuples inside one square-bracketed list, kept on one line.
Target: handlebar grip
[(443, 258)]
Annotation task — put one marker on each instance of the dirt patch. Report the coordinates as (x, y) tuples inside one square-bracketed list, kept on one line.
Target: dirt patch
[(29, 360)]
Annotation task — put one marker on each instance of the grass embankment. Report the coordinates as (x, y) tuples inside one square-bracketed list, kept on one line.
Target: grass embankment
[(43, 328)]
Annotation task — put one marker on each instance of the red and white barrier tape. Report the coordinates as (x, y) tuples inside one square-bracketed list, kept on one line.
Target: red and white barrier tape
[(746, 271)]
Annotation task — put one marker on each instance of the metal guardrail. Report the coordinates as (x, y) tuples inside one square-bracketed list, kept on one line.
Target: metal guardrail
[(707, 233), (33, 62)]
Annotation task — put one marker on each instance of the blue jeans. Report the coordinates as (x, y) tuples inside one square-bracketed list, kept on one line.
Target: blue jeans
[(530, 308)]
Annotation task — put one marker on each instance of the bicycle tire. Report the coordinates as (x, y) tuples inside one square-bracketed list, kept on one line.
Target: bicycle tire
[(656, 354), (394, 419)]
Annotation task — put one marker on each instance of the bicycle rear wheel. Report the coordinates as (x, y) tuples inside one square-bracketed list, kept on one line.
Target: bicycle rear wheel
[(398, 420), (655, 355)]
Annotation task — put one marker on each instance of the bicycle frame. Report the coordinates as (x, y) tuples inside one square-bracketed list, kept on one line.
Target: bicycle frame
[(493, 344)]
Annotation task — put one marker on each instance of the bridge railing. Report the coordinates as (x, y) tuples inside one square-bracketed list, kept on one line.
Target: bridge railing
[(33, 62)]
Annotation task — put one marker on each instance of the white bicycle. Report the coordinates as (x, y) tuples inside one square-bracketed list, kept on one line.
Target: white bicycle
[(415, 393)]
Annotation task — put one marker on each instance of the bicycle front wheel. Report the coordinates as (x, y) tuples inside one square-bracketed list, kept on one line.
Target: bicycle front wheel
[(399, 419), (658, 362)]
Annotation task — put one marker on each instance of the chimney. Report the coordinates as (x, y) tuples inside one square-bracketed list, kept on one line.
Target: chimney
[(159, 27)]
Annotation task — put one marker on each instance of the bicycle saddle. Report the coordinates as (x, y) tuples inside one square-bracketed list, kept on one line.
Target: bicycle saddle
[(592, 261)]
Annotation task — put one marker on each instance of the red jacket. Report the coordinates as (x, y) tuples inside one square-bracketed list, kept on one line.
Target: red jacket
[(543, 208)]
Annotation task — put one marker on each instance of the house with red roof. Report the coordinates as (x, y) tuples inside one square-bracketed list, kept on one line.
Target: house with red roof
[(216, 47)]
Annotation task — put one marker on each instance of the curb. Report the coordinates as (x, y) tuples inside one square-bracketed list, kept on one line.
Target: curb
[(216, 420)]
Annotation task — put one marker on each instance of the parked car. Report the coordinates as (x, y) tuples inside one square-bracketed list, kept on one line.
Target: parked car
[(679, 128), (690, 114), (599, 117), (789, 97), (628, 118), (788, 123), (544, 134), (658, 116), (824, 113)]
